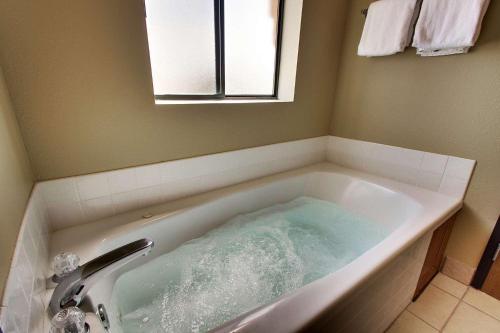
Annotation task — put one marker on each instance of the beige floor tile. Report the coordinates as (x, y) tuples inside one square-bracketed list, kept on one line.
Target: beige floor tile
[(434, 306), (483, 302), (409, 323), (467, 319), (449, 285)]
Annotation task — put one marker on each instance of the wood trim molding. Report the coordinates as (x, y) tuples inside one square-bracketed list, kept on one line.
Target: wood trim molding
[(435, 255)]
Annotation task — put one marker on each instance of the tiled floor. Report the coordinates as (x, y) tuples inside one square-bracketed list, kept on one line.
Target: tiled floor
[(450, 307)]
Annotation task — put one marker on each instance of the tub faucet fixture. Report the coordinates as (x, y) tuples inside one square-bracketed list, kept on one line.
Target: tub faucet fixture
[(73, 283)]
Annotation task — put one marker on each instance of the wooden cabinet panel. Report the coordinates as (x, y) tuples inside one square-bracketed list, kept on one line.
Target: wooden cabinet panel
[(487, 277), (435, 255), (491, 285)]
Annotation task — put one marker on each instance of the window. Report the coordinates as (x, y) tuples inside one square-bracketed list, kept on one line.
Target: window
[(216, 49)]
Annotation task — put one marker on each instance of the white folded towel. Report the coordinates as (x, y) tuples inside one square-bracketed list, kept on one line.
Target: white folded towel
[(448, 26), (442, 52), (388, 27)]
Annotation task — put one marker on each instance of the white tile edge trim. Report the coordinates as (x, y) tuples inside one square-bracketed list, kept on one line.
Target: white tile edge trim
[(445, 174), (82, 199), (23, 308)]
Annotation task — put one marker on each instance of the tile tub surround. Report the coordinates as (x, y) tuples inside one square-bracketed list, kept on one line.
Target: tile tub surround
[(378, 303), (420, 211), (23, 308), (78, 200), (448, 175), (450, 306), (71, 201)]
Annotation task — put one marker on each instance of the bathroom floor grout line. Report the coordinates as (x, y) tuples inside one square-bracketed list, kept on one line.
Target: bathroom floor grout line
[(423, 320), (399, 315), (452, 313), (416, 315), (459, 298), (462, 300), (449, 317), (478, 309)]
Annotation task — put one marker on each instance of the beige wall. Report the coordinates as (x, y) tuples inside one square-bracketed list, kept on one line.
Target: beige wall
[(448, 105), (79, 78), (15, 181), (80, 81)]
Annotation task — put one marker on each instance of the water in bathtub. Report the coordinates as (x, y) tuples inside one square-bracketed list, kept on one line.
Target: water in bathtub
[(249, 261)]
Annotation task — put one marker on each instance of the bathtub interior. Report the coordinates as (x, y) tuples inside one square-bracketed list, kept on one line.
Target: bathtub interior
[(380, 204), (377, 203)]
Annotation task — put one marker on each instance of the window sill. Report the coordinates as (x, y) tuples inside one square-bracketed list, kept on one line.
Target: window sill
[(222, 101)]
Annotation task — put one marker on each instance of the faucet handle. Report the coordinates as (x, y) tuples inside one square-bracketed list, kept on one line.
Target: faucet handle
[(69, 320), (65, 263)]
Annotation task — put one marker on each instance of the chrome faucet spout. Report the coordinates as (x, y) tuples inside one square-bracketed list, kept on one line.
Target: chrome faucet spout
[(75, 285)]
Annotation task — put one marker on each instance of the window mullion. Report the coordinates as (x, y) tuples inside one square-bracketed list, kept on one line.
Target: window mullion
[(219, 46), (278, 47)]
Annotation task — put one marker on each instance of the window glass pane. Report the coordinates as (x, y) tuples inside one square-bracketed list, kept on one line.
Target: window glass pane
[(181, 35), (251, 30)]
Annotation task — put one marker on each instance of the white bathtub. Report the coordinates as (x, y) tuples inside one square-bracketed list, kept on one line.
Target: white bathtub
[(363, 296)]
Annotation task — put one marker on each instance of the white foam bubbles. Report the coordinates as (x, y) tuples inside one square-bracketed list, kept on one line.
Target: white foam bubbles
[(248, 262)]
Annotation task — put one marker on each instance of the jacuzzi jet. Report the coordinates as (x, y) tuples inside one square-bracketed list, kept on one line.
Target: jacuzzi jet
[(103, 316)]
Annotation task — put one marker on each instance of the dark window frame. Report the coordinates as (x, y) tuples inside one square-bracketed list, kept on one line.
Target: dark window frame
[(220, 62)]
